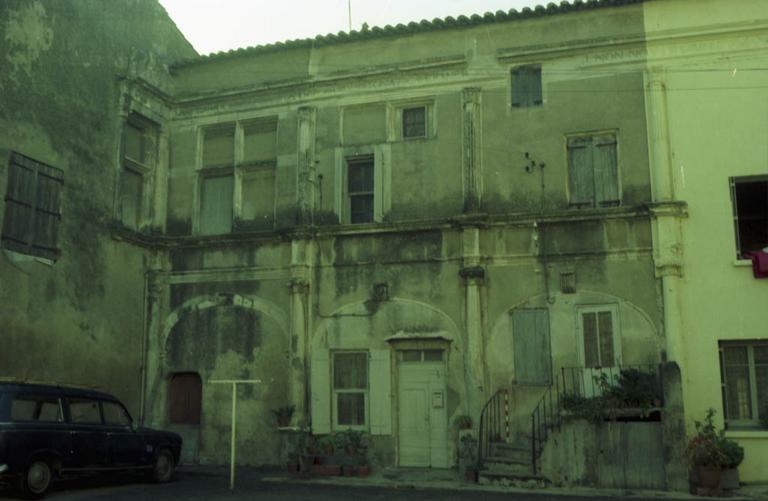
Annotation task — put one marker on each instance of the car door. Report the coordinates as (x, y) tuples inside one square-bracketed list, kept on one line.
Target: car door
[(126, 444), (88, 436)]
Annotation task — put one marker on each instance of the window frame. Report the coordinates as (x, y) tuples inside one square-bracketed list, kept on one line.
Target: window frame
[(613, 309), (515, 97), (733, 181), (35, 396), (754, 421), (348, 194), (149, 133), (592, 140), (32, 245), (335, 425), (120, 406), (70, 400)]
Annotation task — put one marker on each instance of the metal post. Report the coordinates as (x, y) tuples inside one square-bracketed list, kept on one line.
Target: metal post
[(234, 432)]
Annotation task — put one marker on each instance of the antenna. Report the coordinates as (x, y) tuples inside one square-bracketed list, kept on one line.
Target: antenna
[(349, 10)]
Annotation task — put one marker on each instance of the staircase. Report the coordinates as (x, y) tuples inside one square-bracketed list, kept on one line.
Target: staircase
[(504, 457)]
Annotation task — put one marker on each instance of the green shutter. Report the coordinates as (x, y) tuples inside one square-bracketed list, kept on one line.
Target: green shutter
[(380, 392), (320, 386), (606, 171), (533, 357), (581, 181)]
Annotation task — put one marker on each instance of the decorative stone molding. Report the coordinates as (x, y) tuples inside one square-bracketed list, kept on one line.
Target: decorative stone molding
[(472, 272), (470, 148), (298, 286)]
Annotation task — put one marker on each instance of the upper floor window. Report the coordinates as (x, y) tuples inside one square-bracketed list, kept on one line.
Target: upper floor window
[(216, 202), (744, 373), (749, 196), (139, 139), (414, 122), (360, 189), (32, 208), (526, 86), (593, 176), (350, 389)]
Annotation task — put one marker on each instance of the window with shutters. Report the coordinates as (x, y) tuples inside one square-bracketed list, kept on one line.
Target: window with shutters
[(593, 175), (598, 329), (744, 376), (360, 189), (139, 140), (217, 181), (350, 389), (526, 86), (749, 196), (32, 208), (185, 398)]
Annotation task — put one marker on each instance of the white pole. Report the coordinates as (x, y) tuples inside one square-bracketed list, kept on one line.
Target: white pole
[(234, 429), (349, 8)]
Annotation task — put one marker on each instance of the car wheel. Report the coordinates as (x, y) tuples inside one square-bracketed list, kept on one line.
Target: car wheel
[(37, 479), (162, 471)]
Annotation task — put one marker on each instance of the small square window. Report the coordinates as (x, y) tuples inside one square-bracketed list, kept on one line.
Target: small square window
[(415, 122), (526, 86), (749, 196)]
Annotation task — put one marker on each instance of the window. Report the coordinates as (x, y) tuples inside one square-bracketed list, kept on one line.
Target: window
[(430, 355), (526, 86), (216, 193), (115, 414), (36, 408), (749, 196), (84, 411), (350, 389), (744, 373), (360, 189), (138, 160), (414, 122), (592, 171), (184, 399), (598, 333), (32, 208)]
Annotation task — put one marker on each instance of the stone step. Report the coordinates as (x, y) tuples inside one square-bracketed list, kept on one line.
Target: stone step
[(518, 476), (499, 468)]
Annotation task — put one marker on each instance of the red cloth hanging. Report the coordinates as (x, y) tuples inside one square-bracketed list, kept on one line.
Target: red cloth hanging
[(759, 264)]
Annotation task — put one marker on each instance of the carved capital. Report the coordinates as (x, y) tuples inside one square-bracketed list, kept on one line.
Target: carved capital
[(473, 273), (298, 286)]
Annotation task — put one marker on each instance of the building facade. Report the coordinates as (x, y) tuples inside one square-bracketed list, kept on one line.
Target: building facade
[(384, 228)]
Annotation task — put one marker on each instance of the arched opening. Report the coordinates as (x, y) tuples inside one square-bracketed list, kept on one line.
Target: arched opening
[(184, 398)]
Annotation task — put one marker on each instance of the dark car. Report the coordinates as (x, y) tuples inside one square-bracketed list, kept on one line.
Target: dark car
[(48, 431)]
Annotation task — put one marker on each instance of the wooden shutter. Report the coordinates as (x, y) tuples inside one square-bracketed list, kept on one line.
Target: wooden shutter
[(580, 174), (589, 335), (526, 86), (380, 392), (131, 184), (216, 204), (533, 357), (606, 170), (320, 386)]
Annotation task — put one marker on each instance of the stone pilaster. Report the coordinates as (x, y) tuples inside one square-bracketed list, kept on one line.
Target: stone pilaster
[(471, 160), (307, 177), (473, 276)]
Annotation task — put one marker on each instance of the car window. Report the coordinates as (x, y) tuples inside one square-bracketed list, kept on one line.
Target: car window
[(84, 410), (114, 413), (36, 408)]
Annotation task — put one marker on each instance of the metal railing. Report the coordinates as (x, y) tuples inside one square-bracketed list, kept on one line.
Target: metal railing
[(494, 423), (621, 386)]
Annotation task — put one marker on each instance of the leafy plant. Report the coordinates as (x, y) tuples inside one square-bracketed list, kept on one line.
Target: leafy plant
[(463, 422), (284, 414), (710, 448)]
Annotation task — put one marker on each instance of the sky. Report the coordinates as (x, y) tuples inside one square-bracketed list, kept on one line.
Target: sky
[(221, 25)]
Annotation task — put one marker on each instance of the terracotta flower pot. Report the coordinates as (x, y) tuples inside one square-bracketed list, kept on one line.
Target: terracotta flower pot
[(709, 477)]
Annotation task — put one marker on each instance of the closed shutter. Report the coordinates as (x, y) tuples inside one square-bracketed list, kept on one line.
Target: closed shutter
[(320, 385), (526, 86), (533, 358), (216, 205), (380, 392), (219, 147), (580, 175), (260, 141), (606, 171)]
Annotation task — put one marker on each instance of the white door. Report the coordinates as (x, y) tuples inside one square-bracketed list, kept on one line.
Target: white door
[(422, 419)]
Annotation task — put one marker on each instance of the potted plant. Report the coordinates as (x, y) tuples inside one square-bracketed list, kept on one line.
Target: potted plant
[(468, 457), (283, 415), (463, 422), (710, 453)]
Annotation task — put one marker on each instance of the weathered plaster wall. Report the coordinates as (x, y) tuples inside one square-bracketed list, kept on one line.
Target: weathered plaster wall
[(716, 129), (79, 320)]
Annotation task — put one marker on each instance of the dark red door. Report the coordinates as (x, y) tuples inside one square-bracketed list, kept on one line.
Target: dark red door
[(185, 397)]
